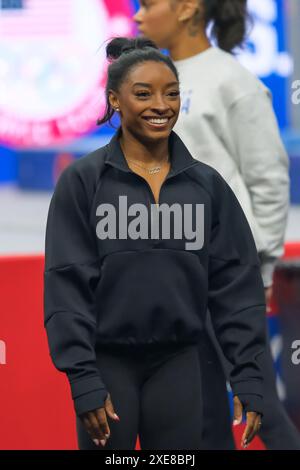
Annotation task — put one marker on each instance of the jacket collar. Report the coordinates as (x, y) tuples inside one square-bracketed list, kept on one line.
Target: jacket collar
[(180, 157)]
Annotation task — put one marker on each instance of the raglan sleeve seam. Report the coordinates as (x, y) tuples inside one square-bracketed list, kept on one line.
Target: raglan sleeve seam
[(69, 312), (64, 266), (229, 259)]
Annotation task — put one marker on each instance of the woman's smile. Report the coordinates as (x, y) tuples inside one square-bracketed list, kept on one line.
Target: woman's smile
[(157, 123)]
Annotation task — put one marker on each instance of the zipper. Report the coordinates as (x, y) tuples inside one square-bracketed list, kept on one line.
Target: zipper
[(148, 186), (169, 176)]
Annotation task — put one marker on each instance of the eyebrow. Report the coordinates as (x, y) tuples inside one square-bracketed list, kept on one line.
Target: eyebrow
[(147, 85)]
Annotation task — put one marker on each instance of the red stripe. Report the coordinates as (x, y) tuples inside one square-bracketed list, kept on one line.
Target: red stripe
[(292, 250)]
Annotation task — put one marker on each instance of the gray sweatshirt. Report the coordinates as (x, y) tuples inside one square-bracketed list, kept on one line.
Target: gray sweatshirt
[(227, 121)]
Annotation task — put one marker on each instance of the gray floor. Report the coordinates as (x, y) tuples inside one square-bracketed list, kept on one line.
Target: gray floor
[(23, 216)]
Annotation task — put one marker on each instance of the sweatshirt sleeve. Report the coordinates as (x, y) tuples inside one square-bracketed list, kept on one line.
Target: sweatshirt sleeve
[(264, 166), (236, 297), (70, 278)]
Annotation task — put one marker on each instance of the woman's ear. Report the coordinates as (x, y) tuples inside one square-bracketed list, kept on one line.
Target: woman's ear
[(114, 102), (188, 9)]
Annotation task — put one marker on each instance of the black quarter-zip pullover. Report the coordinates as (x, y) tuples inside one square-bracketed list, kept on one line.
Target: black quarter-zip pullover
[(109, 281)]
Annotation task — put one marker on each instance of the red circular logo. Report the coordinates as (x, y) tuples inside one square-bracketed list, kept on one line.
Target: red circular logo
[(53, 67)]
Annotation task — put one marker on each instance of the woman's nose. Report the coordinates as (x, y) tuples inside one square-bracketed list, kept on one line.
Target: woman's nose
[(137, 16), (160, 105)]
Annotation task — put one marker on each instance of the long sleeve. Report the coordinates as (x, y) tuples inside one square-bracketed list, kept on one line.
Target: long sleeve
[(236, 295), (264, 166), (70, 278)]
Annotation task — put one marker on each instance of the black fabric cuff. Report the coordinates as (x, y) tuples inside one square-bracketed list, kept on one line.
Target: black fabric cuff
[(252, 403), (86, 385), (248, 387), (90, 401), (88, 394)]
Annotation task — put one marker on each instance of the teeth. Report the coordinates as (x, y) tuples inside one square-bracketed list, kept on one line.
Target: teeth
[(158, 121)]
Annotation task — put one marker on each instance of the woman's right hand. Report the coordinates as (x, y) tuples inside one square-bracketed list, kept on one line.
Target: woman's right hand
[(95, 422), (253, 422)]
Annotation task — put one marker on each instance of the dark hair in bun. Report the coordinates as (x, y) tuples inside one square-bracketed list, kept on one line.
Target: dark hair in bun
[(123, 54), (119, 46), (230, 19)]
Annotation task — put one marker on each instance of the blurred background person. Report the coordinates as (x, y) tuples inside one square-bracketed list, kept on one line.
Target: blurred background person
[(227, 121)]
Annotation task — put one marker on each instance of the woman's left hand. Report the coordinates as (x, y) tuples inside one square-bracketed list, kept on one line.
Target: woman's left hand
[(268, 295), (253, 422)]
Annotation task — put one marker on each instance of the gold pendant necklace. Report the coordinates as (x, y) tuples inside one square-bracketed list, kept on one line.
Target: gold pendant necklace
[(151, 171)]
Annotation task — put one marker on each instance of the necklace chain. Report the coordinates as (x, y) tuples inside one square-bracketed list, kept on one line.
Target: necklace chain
[(151, 171)]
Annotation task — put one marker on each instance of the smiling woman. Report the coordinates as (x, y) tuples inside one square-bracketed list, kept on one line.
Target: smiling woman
[(143, 86), (161, 90), (125, 309)]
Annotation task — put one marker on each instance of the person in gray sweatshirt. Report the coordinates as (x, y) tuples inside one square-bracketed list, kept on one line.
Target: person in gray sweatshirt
[(227, 121)]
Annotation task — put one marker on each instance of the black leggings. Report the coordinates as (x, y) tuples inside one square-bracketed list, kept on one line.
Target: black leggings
[(156, 392)]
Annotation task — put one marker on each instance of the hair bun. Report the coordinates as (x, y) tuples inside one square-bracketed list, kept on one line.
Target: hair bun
[(120, 45), (128, 48)]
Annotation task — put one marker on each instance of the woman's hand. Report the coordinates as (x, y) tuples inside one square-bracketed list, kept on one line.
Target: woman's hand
[(253, 422), (268, 295), (95, 422)]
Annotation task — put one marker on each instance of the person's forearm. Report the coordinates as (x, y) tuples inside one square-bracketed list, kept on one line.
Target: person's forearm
[(267, 270)]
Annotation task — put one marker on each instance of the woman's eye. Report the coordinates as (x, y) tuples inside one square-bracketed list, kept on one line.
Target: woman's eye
[(146, 3), (143, 94)]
